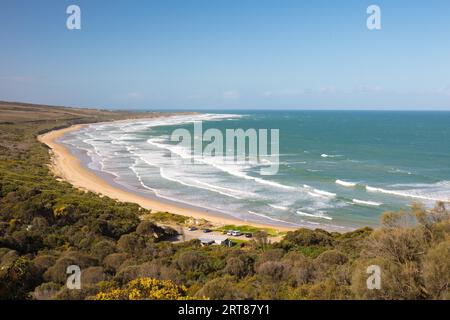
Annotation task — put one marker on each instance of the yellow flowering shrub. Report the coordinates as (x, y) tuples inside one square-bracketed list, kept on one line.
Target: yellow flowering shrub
[(145, 289)]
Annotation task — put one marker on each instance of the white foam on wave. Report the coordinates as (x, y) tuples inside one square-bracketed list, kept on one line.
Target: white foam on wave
[(97, 156), (152, 151), (171, 178), (270, 218), (214, 188), (346, 184), (279, 207), (162, 196), (316, 216), (318, 193), (367, 203), (131, 126), (138, 176), (238, 172), (103, 168), (400, 171), (192, 182), (219, 163), (261, 181), (442, 185), (324, 155), (175, 149), (412, 193)]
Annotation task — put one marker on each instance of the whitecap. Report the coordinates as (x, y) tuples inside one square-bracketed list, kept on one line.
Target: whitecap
[(346, 183), (324, 155), (324, 193), (219, 163), (279, 207), (400, 171), (367, 203), (319, 193), (170, 178), (316, 216), (415, 194)]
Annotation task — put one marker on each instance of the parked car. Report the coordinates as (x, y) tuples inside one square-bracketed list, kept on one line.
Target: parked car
[(248, 235), (207, 230), (236, 233), (230, 232), (192, 228)]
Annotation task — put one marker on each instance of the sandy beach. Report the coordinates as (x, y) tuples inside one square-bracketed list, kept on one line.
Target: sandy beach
[(68, 167)]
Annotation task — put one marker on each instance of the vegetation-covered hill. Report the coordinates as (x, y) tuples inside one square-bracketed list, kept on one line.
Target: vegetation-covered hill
[(47, 225)]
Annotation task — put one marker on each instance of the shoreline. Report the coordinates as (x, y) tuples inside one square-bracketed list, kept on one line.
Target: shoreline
[(70, 168)]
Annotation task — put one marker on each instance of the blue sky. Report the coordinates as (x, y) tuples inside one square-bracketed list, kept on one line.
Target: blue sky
[(227, 54)]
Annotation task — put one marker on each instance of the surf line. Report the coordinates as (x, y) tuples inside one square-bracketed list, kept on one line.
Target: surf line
[(233, 147)]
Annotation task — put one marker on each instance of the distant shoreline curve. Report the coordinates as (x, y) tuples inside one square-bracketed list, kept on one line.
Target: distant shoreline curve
[(68, 167)]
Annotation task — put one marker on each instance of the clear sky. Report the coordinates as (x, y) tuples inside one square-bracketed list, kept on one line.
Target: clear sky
[(193, 54)]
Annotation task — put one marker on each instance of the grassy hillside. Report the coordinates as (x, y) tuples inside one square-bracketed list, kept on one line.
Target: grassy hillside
[(46, 225)]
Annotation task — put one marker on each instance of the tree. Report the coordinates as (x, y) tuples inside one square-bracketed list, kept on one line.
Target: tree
[(103, 248), (131, 243), (236, 267), (115, 260), (220, 289), (46, 291), (92, 275), (147, 228), (272, 269), (17, 280), (306, 237), (261, 240), (436, 271), (190, 261)]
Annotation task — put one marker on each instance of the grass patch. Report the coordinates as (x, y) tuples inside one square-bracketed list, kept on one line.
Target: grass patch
[(238, 242), (167, 218), (312, 251), (250, 229)]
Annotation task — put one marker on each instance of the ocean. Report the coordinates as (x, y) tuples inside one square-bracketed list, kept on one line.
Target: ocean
[(337, 169)]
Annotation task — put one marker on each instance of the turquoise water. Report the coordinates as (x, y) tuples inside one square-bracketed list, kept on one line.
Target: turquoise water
[(337, 169)]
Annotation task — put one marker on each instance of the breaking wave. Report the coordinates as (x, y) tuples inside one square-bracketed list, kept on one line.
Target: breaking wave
[(367, 203), (316, 216), (346, 184)]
